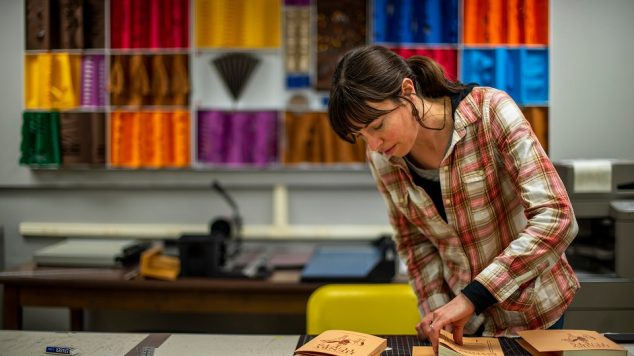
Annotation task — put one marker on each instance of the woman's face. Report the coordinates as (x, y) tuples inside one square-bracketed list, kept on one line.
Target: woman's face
[(392, 134)]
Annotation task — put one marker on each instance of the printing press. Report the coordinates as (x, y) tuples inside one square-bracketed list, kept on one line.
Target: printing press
[(602, 254), (602, 196)]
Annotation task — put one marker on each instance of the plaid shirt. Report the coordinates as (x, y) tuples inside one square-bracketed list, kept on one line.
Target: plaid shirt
[(509, 220)]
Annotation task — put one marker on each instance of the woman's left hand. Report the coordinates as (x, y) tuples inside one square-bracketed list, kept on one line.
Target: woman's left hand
[(452, 317)]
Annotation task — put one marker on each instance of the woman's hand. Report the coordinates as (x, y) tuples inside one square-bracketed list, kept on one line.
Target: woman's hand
[(452, 317)]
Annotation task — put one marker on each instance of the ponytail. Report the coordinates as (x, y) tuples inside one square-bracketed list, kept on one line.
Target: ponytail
[(430, 78)]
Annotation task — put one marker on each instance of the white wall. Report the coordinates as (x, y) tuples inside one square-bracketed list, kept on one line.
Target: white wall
[(11, 78), (591, 77)]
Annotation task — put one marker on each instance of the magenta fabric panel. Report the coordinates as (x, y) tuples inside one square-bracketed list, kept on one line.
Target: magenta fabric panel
[(93, 80), (175, 16), (156, 30), (149, 23), (121, 23), (102, 81), (447, 58), (140, 24), (211, 128), (265, 137), (240, 135), (237, 138)]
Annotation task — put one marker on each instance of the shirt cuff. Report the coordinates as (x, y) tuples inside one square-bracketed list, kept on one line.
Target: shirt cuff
[(479, 296)]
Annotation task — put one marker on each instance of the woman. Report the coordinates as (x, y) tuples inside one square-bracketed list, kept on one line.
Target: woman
[(480, 215)]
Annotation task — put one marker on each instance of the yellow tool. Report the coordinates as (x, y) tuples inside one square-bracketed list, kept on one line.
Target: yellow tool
[(155, 265)]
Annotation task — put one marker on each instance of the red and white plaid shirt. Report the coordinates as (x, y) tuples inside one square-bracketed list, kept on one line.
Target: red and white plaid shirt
[(509, 219)]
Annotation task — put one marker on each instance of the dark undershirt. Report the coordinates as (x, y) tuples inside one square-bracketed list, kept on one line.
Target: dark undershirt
[(474, 291)]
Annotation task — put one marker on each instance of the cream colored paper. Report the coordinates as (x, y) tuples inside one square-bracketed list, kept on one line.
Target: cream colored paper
[(592, 176), (422, 351), (472, 346)]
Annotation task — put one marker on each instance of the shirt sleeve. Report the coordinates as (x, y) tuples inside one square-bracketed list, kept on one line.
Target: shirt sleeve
[(423, 262), (479, 296), (551, 224)]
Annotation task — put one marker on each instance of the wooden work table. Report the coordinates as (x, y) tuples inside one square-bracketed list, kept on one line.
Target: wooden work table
[(603, 304), (80, 289)]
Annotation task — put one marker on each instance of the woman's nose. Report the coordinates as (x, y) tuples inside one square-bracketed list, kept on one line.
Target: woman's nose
[(373, 142)]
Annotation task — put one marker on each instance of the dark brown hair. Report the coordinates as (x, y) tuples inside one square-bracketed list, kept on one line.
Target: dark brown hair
[(372, 74)]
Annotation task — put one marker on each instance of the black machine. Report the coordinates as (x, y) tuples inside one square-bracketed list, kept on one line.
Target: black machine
[(210, 255)]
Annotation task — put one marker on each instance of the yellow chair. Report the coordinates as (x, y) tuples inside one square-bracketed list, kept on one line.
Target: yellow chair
[(379, 309)]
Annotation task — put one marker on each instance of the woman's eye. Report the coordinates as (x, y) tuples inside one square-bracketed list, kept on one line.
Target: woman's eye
[(379, 126)]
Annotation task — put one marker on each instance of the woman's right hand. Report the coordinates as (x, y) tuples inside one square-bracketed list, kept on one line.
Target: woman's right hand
[(451, 317)]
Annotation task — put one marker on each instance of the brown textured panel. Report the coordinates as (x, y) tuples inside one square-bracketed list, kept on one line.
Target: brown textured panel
[(71, 24), (341, 26), (94, 24), (38, 24), (538, 118)]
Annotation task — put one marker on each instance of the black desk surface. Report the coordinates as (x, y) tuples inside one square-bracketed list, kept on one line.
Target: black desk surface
[(402, 345)]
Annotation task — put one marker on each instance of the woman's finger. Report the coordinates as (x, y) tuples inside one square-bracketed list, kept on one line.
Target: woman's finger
[(422, 331), (434, 333)]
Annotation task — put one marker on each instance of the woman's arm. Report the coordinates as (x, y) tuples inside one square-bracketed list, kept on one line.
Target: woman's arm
[(551, 223)]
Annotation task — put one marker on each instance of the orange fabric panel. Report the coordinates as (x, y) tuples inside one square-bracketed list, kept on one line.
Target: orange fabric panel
[(181, 138), (536, 21), (495, 25), (474, 21)]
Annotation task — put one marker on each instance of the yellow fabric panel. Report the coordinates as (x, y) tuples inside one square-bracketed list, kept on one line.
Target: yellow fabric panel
[(37, 81), (380, 309), (65, 81), (238, 23), (262, 27), (218, 23), (204, 24), (52, 81)]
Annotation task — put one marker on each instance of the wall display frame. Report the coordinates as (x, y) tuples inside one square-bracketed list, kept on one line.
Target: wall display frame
[(235, 84)]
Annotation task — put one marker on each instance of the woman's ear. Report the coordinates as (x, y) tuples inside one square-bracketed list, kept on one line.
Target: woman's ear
[(407, 87)]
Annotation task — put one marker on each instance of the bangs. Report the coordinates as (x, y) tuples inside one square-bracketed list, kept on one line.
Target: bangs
[(350, 112)]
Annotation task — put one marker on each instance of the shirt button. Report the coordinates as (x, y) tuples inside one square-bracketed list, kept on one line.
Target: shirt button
[(447, 201)]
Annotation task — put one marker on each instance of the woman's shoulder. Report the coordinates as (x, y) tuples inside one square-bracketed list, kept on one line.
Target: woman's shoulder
[(479, 105), (484, 98), (484, 93)]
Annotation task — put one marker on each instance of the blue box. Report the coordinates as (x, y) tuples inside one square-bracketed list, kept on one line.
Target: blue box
[(415, 21), (521, 72), (482, 66), (296, 81), (534, 89)]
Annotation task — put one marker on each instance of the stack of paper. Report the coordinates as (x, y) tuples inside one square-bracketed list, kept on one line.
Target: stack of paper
[(82, 252)]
